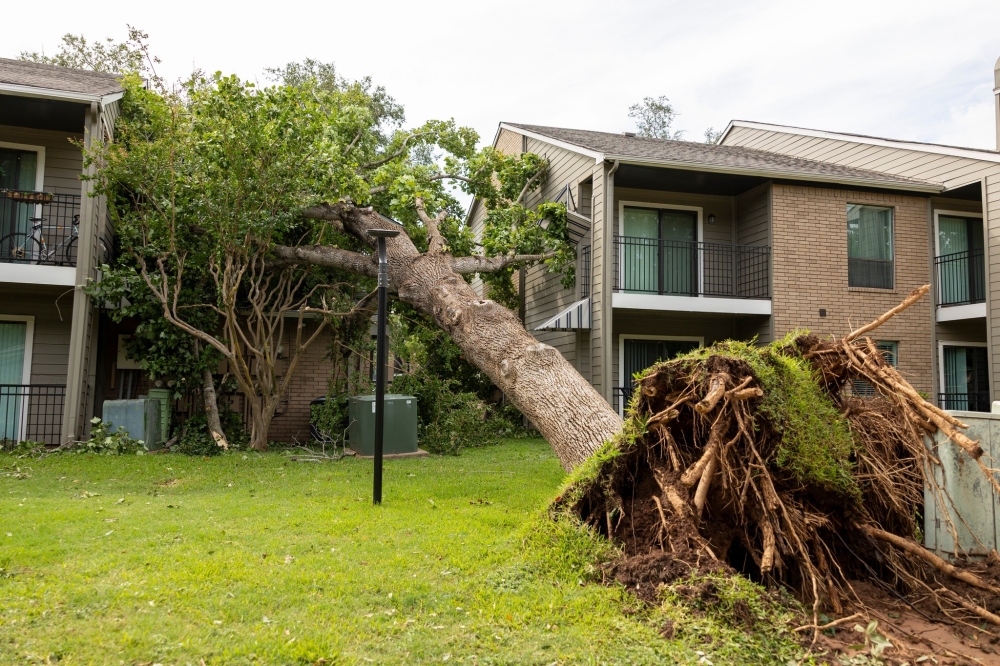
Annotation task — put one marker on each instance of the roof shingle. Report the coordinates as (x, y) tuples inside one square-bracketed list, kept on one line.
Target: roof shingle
[(53, 77), (704, 155)]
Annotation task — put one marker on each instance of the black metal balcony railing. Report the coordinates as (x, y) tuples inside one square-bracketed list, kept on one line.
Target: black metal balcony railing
[(966, 402), (39, 227), (584, 277), (870, 273), (620, 397), (682, 268), (31, 412), (961, 277)]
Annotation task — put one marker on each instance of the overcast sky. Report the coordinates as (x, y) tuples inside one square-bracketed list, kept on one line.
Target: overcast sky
[(909, 70)]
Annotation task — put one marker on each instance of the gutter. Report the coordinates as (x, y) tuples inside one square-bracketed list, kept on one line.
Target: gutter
[(59, 95)]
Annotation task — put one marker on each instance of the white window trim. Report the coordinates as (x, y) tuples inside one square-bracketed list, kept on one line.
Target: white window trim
[(894, 217), (29, 344), (645, 204), (39, 167), (622, 337), (952, 343)]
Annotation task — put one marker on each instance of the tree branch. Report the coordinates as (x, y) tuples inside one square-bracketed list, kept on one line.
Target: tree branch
[(327, 213), (402, 149), (323, 255), (435, 241), (479, 264), (450, 176), (527, 186)]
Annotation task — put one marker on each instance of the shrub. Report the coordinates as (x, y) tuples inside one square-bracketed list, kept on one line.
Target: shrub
[(105, 442)]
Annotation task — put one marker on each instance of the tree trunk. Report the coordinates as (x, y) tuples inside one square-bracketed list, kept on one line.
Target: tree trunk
[(261, 415), (566, 409), (212, 409)]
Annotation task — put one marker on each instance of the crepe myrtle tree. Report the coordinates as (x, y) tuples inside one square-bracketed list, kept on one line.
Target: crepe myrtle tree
[(274, 189)]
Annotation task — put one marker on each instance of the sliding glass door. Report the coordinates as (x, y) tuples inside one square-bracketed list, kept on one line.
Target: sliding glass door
[(13, 338), (659, 251), (961, 269), (966, 379)]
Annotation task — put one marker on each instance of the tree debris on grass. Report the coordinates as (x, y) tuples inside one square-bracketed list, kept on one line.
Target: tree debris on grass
[(766, 461)]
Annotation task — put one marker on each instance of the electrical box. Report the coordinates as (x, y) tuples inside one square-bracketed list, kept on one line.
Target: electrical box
[(163, 396), (965, 489), (139, 418), (400, 432)]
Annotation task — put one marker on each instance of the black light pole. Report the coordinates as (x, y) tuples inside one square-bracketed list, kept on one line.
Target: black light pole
[(380, 357)]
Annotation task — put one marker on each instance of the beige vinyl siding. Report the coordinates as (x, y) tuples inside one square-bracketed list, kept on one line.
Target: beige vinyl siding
[(991, 221), (63, 160), (477, 219), (600, 296), (50, 351), (948, 170), (545, 295)]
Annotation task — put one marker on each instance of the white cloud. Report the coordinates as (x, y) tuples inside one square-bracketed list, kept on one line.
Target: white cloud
[(904, 69)]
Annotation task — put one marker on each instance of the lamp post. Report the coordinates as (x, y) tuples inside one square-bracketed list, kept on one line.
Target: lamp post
[(380, 357)]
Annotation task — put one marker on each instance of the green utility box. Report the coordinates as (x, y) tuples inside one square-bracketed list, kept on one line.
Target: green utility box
[(163, 397), (400, 434)]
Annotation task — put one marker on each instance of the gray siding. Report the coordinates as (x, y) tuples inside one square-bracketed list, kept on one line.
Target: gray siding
[(63, 160), (753, 216), (544, 294), (50, 348)]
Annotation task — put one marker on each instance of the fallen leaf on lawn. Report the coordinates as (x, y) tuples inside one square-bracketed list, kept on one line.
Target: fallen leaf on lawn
[(109, 533), (288, 559), (120, 501)]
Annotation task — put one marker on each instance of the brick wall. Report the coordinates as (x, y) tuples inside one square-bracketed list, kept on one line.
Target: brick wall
[(810, 272), (309, 382)]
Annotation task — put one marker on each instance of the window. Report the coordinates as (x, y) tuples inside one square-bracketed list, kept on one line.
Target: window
[(869, 247), (890, 351), (17, 172)]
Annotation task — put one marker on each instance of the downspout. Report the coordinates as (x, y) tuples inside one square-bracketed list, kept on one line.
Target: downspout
[(606, 288)]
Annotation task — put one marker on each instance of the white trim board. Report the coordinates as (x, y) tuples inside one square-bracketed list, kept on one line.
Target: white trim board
[(710, 304), (985, 156), (29, 345), (958, 312), (700, 339), (58, 276), (39, 163)]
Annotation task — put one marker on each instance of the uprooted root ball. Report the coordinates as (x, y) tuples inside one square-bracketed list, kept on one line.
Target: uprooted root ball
[(765, 460)]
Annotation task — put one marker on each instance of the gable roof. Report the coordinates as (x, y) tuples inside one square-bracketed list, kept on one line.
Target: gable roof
[(938, 148), (710, 157), (33, 79)]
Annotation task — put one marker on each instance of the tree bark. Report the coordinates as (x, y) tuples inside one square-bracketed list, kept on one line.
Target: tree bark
[(566, 409), (212, 409), (211, 403)]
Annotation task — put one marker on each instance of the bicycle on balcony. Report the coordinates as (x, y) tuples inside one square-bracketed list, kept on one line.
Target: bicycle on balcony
[(32, 248)]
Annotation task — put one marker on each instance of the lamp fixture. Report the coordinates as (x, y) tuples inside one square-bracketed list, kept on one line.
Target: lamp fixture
[(711, 218)]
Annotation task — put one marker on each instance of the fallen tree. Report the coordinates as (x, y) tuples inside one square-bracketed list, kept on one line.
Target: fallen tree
[(765, 460)]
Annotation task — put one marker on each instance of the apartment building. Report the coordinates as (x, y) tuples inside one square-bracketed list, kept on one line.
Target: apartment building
[(962, 225), (53, 236), (682, 244)]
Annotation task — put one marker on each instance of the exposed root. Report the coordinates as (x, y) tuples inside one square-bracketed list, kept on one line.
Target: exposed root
[(724, 475)]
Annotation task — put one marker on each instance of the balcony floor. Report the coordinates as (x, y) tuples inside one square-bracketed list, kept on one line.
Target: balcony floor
[(710, 304), (959, 312)]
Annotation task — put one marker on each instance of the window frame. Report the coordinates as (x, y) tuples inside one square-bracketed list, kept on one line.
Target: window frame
[(619, 228), (892, 210), (40, 164), (956, 343), (622, 337)]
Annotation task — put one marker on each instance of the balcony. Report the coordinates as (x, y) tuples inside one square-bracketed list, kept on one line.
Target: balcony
[(39, 228), (961, 285), (691, 276), (965, 402), (31, 412)]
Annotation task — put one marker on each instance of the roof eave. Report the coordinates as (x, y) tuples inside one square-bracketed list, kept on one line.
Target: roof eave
[(59, 95), (598, 156), (779, 173)]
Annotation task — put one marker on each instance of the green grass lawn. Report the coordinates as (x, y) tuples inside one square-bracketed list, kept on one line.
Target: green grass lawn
[(248, 558)]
